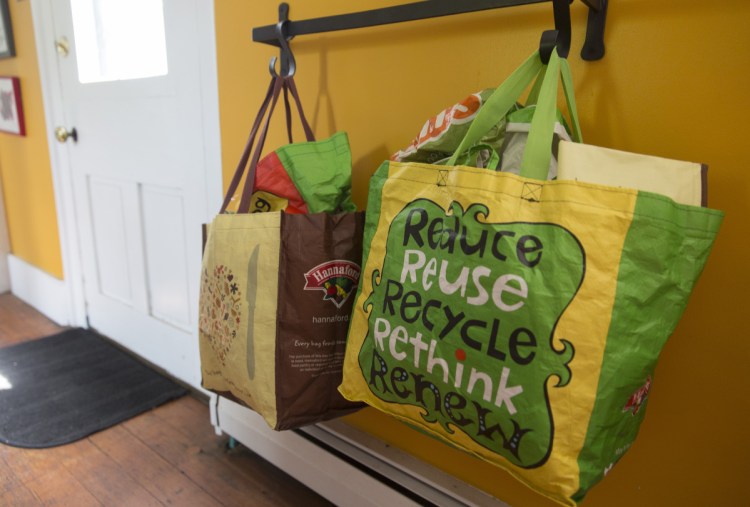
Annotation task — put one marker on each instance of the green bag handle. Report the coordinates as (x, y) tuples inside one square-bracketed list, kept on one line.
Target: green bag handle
[(472, 154), (537, 154), (567, 80), (542, 126), (499, 103), (534, 93), (570, 99)]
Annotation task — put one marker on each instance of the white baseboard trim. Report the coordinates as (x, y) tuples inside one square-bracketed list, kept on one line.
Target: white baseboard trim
[(331, 477), (345, 465), (39, 289)]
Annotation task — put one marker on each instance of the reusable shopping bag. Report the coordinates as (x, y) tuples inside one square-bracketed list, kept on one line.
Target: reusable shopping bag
[(516, 134), (440, 136), (516, 318), (277, 288), (685, 182)]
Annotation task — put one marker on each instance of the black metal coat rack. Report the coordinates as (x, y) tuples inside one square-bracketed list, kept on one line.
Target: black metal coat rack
[(278, 34)]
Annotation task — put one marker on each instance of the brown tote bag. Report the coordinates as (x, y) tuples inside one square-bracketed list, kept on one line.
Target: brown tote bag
[(276, 295)]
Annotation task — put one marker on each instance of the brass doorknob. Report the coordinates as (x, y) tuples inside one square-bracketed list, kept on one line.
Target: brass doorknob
[(62, 46), (62, 134)]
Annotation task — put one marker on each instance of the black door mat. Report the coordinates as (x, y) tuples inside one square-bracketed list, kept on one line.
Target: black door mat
[(59, 389)]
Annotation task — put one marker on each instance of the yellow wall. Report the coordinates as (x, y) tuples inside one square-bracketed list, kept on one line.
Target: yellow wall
[(24, 161), (672, 84)]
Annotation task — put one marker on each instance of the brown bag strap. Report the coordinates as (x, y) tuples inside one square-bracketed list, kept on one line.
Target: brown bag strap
[(306, 126), (269, 103), (288, 109), (247, 190), (239, 171), (289, 86)]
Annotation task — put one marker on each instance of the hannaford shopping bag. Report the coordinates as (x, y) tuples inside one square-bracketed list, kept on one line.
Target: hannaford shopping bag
[(276, 294), (520, 319), (319, 269)]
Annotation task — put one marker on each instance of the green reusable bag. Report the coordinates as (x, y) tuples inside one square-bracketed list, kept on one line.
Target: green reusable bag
[(313, 176), (322, 172), (441, 135), (516, 318)]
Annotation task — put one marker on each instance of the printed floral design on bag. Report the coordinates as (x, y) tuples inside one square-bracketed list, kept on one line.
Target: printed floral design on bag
[(462, 320), (220, 309)]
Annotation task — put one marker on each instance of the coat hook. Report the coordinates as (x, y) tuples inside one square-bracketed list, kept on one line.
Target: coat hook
[(593, 47), (559, 37), (288, 64)]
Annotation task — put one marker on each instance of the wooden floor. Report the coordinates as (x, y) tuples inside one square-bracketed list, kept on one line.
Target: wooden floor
[(168, 456)]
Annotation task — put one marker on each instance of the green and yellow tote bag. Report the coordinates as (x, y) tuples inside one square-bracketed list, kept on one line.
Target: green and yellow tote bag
[(519, 319)]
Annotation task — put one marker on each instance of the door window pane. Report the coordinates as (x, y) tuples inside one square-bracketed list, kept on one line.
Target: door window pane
[(119, 39)]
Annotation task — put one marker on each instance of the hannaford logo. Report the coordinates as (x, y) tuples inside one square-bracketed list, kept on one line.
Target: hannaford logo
[(462, 319), (337, 279)]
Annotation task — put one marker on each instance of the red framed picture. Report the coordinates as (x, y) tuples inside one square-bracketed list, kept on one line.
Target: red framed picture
[(11, 110)]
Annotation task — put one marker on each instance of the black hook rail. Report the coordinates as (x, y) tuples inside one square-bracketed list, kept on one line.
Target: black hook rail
[(593, 47)]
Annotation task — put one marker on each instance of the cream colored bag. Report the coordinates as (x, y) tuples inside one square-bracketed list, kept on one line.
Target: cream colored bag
[(683, 182)]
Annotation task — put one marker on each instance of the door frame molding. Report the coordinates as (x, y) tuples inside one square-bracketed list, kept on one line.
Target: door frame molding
[(4, 247), (60, 161)]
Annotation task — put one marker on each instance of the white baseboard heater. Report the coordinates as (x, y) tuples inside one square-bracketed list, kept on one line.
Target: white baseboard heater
[(345, 465)]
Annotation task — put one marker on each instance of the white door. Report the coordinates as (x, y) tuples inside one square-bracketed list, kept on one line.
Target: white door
[(130, 80)]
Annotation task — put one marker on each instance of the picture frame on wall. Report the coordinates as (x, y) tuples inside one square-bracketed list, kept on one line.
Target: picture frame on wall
[(7, 47), (11, 108)]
